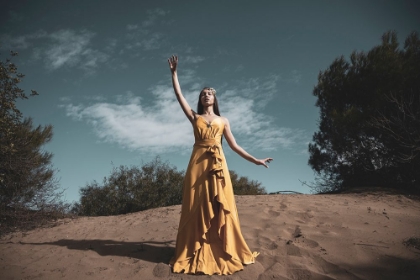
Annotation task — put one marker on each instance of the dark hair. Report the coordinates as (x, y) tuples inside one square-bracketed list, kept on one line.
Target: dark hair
[(200, 108)]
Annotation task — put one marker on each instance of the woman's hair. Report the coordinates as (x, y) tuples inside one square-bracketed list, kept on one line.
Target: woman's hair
[(200, 108)]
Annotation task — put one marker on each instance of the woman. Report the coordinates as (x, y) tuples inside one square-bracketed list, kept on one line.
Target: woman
[(209, 237)]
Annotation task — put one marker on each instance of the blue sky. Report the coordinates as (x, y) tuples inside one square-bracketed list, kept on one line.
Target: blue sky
[(101, 70)]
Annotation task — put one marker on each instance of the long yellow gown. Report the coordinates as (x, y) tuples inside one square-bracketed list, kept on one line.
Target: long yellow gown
[(209, 237)]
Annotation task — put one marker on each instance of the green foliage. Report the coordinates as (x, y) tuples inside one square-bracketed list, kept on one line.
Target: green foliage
[(369, 129), (28, 190), (9, 93), (243, 186), (126, 190), (26, 175), (132, 189)]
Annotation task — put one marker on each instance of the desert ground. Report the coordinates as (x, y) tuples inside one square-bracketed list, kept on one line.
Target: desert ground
[(371, 235)]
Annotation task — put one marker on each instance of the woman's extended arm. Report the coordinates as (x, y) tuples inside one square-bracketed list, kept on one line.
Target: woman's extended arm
[(173, 64), (239, 150)]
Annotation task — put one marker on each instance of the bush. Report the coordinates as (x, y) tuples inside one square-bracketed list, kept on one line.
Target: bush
[(132, 189), (126, 190), (243, 186)]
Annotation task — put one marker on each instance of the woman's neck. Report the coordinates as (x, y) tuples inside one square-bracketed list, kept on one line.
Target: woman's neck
[(208, 111)]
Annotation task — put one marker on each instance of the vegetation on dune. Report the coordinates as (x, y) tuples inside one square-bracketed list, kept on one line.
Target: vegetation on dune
[(369, 127), (244, 186), (29, 193), (132, 189)]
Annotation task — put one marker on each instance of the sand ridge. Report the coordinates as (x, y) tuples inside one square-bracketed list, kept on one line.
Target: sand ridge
[(347, 236)]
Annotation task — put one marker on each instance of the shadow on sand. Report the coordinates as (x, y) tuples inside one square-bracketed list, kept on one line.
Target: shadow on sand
[(151, 251)]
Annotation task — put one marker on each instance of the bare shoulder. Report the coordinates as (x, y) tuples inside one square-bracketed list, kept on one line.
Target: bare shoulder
[(225, 120)]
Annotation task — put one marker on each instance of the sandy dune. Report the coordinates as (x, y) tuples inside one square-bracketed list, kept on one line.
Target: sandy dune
[(349, 236)]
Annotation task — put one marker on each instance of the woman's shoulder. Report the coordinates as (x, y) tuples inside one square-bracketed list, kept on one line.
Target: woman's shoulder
[(225, 120)]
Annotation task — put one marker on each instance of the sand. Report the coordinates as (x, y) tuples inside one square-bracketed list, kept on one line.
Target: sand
[(347, 236)]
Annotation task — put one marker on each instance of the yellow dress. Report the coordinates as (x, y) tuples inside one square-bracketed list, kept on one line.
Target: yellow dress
[(209, 237)]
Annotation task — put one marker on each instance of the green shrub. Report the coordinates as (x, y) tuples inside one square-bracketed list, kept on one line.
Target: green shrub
[(243, 186), (132, 189)]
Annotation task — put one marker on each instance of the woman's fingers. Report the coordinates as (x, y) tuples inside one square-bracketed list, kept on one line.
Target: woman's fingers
[(265, 161), (173, 61)]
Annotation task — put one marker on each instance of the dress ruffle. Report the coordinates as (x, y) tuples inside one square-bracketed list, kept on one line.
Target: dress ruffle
[(209, 238)]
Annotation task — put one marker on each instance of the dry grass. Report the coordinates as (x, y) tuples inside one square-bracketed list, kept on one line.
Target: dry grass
[(13, 220)]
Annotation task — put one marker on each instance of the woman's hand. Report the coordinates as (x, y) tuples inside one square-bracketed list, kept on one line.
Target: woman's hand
[(173, 63), (263, 161)]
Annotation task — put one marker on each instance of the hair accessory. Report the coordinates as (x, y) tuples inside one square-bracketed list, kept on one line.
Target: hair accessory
[(211, 89)]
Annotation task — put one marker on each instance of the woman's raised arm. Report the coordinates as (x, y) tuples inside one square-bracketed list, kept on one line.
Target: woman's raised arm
[(173, 65)]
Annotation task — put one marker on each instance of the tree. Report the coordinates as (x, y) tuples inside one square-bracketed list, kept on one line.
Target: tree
[(369, 124), (29, 195), (26, 174)]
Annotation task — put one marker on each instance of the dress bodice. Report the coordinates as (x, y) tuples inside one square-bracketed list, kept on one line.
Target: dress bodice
[(204, 130)]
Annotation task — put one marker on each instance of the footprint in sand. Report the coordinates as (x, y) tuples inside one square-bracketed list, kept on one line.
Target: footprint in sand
[(311, 243), (293, 250), (267, 243), (304, 216), (299, 273), (282, 206), (271, 212), (297, 234)]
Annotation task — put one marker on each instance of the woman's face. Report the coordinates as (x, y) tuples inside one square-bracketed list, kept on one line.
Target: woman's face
[(207, 97)]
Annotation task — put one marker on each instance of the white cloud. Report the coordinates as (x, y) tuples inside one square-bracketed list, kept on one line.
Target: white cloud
[(73, 49), (36, 54), (67, 48), (132, 26), (59, 49), (9, 42), (139, 36), (152, 16), (133, 125), (193, 59), (111, 45), (239, 68), (21, 42), (260, 90), (157, 11), (296, 76), (65, 99), (159, 125), (152, 42), (244, 108)]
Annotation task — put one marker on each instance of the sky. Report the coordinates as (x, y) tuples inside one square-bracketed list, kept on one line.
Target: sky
[(101, 71)]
